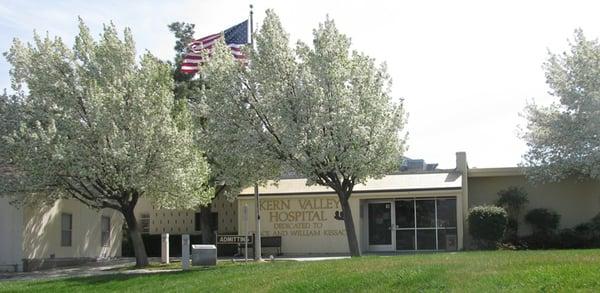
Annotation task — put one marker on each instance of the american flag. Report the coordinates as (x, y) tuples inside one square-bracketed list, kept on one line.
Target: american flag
[(235, 37)]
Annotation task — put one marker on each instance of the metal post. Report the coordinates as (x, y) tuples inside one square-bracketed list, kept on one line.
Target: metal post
[(246, 232), (258, 255)]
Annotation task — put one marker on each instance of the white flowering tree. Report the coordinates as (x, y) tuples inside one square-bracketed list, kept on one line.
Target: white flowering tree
[(102, 128), (232, 166), (324, 111), (564, 138)]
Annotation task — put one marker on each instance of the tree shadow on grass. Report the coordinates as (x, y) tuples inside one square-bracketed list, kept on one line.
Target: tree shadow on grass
[(108, 281)]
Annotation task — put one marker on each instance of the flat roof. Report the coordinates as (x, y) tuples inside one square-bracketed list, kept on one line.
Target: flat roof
[(395, 182), (496, 172)]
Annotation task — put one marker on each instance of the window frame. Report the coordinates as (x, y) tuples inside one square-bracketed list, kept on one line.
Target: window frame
[(68, 231), (105, 234), (436, 228)]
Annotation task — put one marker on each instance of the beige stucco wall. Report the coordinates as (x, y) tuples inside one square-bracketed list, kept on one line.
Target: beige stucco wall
[(11, 239), (322, 233), (42, 231), (576, 201), (228, 214), (305, 223), (183, 221)]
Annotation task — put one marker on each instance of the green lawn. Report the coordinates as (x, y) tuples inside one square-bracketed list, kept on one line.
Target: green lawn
[(557, 270)]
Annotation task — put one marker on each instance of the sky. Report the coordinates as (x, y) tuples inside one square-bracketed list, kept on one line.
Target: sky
[(465, 69)]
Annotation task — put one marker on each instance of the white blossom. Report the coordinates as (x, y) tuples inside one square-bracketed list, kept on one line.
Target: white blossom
[(98, 126), (564, 138), (324, 111)]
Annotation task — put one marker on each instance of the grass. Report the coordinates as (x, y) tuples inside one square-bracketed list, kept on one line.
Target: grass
[(174, 265), (558, 270)]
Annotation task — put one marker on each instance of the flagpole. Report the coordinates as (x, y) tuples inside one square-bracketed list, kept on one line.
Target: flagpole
[(251, 27), (257, 242)]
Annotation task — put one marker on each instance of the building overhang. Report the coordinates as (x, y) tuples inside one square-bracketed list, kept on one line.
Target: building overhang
[(404, 183), (496, 172)]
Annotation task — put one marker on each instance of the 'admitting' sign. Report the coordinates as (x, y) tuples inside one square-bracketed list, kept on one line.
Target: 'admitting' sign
[(233, 239)]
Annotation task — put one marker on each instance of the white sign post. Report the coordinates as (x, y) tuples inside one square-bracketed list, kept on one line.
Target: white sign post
[(185, 251), (165, 248)]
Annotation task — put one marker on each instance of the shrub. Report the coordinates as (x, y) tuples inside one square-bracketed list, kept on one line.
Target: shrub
[(584, 235), (543, 221), (512, 200), (487, 224), (572, 238), (595, 222)]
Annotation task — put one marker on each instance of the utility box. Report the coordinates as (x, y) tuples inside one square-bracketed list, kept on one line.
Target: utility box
[(204, 255)]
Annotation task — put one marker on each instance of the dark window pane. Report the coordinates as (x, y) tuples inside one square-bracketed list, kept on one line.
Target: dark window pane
[(65, 239), (426, 239), (446, 212), (425, 213), (447, 239), (405, 239), (380, 221), (66, 228), (405, 213), (105, 228), (66, 222)]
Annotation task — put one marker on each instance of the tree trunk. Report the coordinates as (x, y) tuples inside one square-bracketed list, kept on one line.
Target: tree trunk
[(206, 224), (349, 223), (141, 258)]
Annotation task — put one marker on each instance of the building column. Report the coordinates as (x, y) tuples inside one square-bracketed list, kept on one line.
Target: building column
[(164, 255), (463, 202), (185, 251)]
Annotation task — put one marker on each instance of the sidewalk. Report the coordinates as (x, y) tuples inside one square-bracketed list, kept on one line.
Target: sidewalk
[(113, 266), (91, 269)]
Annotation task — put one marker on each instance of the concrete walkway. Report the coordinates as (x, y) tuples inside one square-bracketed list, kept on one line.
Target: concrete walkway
[(114, 267), (311, 258), (92, 269)]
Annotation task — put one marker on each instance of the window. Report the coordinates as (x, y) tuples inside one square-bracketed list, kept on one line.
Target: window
[(425, 213), (405, 214), (145, 223), (105, 231), (66, 229), (446, 223), (426, 224)]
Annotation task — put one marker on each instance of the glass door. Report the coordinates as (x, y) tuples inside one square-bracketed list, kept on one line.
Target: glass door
[(380, 226)]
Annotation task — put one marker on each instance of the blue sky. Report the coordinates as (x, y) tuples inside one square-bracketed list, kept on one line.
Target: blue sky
[(466, 69)]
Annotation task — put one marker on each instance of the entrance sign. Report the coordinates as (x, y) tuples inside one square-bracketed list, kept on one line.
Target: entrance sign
[(234, 239)]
